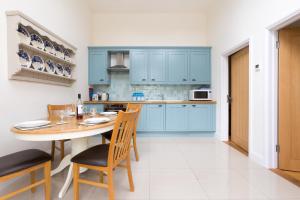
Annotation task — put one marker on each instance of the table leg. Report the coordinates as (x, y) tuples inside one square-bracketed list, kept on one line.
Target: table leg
[(78, 145), (62, 165)]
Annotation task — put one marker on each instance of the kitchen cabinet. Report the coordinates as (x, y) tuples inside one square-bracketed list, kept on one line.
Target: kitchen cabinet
[(176, 117), (177, 66), (139, 67), (155, 117), (99, 107), (98, 67), (157, 66), (200, 67), (152, 118), (201, 117)]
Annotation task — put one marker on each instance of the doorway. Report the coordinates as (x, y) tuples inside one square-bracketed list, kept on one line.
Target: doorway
[(239, 99), (288, 98)]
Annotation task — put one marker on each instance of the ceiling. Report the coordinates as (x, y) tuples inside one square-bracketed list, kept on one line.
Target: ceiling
[(149, 6)]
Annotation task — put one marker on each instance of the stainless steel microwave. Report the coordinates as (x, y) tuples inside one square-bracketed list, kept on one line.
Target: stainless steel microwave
[(200, 94)]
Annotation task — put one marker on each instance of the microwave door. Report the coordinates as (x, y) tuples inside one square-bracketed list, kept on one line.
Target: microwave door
[(201, 95)]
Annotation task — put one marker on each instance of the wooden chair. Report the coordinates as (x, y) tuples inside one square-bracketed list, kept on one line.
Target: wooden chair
[(107, 135), (25, 162), (106, 157), (51, 112)]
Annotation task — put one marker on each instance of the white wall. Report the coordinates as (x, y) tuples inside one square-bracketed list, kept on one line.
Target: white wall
[(21, 101), (229, 23), (150, 29)]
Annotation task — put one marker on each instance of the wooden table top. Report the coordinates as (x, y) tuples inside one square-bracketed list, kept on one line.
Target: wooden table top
[(72, 126)]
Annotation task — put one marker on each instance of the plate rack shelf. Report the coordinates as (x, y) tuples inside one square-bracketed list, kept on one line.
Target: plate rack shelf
[(14, 43)]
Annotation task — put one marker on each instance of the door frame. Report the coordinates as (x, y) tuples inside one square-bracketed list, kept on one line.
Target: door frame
[(224, 77), (271, 87)]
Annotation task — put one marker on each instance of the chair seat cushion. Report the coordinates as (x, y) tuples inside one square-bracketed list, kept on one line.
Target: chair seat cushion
[(95, 156), (107, 135), (22, 160)]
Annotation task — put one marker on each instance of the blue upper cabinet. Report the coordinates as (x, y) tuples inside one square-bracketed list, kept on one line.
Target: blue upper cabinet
[(98, 67), (157, 66), (177, 66), (138, 66), (199, 66)]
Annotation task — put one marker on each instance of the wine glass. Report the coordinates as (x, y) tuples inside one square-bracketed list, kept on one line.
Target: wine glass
[(93, 111), (61, 114)]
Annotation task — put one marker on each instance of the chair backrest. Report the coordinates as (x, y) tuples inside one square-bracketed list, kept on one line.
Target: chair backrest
[(135, 106), (121, 137), (53, 108)]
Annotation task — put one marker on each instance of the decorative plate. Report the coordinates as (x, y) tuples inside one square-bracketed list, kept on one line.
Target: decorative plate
[(24, 34), (68, 54), (49, 48), (50, 66), (67, 71), (37, 63), (24, 58), (59, 52), (37, 41), (59, 69)]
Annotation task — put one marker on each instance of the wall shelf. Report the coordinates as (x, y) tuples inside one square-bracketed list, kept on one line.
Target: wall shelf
[(15, 43)]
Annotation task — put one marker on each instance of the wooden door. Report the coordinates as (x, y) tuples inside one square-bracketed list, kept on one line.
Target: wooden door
[(289, 99), (239, 89)]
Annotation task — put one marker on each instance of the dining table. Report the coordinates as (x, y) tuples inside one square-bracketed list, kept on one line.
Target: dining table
[(72, 129)]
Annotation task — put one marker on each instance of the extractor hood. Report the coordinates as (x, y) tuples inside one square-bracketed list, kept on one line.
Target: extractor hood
[(119, 61)]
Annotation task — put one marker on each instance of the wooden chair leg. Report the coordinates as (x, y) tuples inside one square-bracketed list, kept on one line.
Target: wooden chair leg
[(111, 194), (32, 180), (101, 177), (75, 181), (135, 147), (62, 149), (130, 179), (47, 176), (52, 150), (103, 140)]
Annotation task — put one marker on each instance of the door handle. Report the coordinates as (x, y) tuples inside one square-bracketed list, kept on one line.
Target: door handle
[(229, 99)]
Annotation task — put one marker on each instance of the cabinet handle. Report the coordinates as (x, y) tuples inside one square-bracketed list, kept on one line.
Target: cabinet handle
[(101, 79), (143, 79), (194, 106), (160, 106), (153, 79), (184, 106), (193, 79), (184, 79)]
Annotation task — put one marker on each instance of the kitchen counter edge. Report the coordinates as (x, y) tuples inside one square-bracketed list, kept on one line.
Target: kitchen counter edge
[(152, 102)]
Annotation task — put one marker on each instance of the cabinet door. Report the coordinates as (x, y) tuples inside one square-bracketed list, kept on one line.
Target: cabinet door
[(155, 117), (201, 118), (139, 70), (99, 107), (177, 66), (157, 66), (98, 67), (176, 117), (200, 67), (142, 122)]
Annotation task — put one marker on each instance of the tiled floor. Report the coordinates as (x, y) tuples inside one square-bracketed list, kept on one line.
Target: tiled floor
[(183, 168)]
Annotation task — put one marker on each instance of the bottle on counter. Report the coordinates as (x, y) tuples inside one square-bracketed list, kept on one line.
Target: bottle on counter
[(79, 108)]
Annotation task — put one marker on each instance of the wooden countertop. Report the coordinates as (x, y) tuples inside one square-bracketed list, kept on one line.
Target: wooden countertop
[(152, 102)]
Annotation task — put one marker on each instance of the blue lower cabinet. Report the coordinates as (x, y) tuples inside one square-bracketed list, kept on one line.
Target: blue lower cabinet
[(99, 107), (201, 117), (142, 121), (155, 117), (176, 117)]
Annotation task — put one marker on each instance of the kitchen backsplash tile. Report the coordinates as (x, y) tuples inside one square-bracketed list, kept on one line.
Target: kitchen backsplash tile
[(121, 89)]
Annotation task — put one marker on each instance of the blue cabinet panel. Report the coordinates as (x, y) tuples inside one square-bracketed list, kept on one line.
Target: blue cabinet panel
[(138, 67), (98, 67), (200, 67), (155, 117), (201, 118), (142, 122), (177, 66), (157, 66), (99, 107), (176, 117)]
